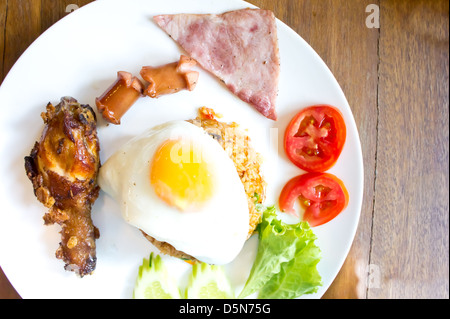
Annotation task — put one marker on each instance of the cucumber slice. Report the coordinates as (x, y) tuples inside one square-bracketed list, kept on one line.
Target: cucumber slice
[(208, 282), (153, 281)]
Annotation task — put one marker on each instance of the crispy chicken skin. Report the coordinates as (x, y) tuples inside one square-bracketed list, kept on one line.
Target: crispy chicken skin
[(63, 168)]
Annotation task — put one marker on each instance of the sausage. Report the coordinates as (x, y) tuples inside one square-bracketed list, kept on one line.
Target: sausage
[(170, 78), (119, 97), (166, 79)]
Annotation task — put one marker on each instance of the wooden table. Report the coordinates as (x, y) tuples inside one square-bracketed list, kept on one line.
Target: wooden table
[(395, 75)]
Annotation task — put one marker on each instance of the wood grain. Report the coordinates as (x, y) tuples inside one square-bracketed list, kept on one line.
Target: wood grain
[(18, 36), (410, 226), (396, 80), (2, 34)]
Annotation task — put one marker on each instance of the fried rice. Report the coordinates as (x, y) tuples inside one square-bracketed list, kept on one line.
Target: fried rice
[(248, 166)]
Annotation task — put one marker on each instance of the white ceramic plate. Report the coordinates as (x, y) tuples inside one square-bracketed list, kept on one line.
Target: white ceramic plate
[(79, 56)]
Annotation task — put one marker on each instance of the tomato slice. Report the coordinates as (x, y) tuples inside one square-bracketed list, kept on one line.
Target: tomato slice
[(322, 195), (315, 137)]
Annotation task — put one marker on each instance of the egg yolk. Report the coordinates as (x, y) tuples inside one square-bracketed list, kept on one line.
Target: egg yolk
[(180, 176)]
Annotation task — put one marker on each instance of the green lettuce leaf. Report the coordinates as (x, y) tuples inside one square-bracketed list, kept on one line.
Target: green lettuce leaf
[(286, 260)]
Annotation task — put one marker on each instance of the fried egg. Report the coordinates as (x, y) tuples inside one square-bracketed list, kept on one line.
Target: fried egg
[(178, 185)]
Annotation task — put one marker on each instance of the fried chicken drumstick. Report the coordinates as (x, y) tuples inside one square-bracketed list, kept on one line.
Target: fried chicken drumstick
[(63, 167)]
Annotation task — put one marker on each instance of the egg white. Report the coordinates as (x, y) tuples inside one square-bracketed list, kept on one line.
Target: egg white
[(216, 232)]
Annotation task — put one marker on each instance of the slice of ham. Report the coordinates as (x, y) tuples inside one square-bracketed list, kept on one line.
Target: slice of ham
[(239, 47)]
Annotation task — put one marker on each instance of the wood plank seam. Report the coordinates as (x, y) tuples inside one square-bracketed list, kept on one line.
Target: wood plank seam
[(368, 277)]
